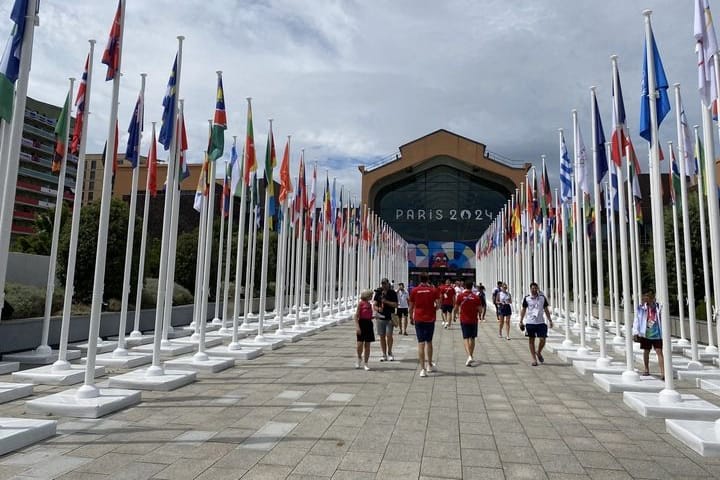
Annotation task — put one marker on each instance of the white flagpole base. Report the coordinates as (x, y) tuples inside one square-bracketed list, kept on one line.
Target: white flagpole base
[(129, 360), (32, 357), (9, 367), (169, 349), (711, 385), (701, 436), (75, 403), (592, 366), (103, 346), (202, 363), (627, 382), (238, 353), (210, 341), (134, 341), (265, 344), (670, 404), (17, 433), (164, 380), (13, 391), (50, 375)]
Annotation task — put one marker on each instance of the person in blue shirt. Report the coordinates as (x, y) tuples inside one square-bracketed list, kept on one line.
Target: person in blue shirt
[(647, 329)]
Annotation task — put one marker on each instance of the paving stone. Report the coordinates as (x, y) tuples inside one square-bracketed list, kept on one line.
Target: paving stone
[(318, 465)]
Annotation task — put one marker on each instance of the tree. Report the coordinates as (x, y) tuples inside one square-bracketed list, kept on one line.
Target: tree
[(40, 242)]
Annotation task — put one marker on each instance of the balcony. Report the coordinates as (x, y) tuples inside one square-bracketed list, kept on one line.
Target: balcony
[(22, 229)]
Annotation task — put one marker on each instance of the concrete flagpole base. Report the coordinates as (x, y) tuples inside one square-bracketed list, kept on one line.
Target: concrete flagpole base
[(9, 367), (159, 379), (569, 355), (562, 347), (130, 359), (73, 402), (168, 349), (238, 353), (13, 391), (33, 357), (591, 366), (287, 334), (265, 343), (131, 341), (66, 374), (17, 433), (201, 362), (701, 436), (210, 341), (666, 404), (703, 356), (703, 373), (103, 346), (627, 382), (709, 385)]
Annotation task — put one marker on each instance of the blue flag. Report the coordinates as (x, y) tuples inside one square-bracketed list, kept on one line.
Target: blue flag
[(661, 84), (601, 156), (10, 62), (566, 172), (135, 129), (168, 116)]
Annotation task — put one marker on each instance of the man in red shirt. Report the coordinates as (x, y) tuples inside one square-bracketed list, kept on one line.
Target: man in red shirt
[(447, 301), (423, 311), (468, 306)]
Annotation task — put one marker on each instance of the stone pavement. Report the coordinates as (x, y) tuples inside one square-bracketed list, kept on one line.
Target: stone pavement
[(304, 412)]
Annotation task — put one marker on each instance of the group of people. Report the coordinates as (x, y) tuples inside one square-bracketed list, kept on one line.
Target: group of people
[(390, 308)]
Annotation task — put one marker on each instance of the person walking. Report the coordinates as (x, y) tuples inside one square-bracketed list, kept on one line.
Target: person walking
[(533, 307), (385, 302), (504, 301), (364, 328), (648, 328), (467, 307), (423, 311), (447, 302), (402, 309), (495, 292), (483, 301)]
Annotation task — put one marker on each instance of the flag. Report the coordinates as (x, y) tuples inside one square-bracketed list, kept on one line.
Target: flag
[(635, 171), (10, 63), (270, 162), (226, 195), (326, 201), (546, 197), (152, 165), (135, 131), (311, 200), (674, 177), (581, 173), (235, 170), (618, 140), (601, 167), (183, 169), (201, 190), (61, 133), (613, 199), (333, 205), (250, 161), (168, 116), (706, 47), (566, 172), (661, 85), (79, 110), (688, 157), (111, 55), (285, 182), (219, 125)]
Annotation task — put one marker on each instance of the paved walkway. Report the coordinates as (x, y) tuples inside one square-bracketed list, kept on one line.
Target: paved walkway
[(303, 412)]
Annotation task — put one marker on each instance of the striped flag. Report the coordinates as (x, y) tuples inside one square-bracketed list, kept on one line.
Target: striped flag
[(168, 115), (152, 165), (61, 132), (111, 55), (79, 111), (250, 160), (135, 131), (285, 182), (566, 172), (217, 139)]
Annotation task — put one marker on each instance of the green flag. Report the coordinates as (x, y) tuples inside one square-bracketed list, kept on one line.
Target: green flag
[(61, 133)]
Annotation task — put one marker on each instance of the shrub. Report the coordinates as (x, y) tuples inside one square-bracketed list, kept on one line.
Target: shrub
[(181, 295), (28, 301)]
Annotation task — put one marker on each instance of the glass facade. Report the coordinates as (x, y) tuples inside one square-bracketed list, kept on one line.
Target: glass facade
[(441, 204)]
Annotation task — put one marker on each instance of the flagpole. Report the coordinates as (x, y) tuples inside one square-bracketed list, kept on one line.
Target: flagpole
[(61, 363), (615, 232), (239, 255), (136, 333), (676, 247), (44, 349), (713, 208), (265, 247), (602, 360), (579, 234), (221, 242), (156, 368), (611, 235), (250, 271), (685, 213), (10, 155), (200, 195), (89, 390), (710, 348), (228, 254), (668, 395), (121, 350)]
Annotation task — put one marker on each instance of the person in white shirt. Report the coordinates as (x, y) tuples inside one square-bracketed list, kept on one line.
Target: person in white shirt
[(532, 321), (402, 308), (504, 304)]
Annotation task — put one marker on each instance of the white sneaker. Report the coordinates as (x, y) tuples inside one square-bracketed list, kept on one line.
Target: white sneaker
[(423, 373), (432, 367), (445, 326), (383, 358), (390, 358), (367, 368), (357, 363), (468, 362)]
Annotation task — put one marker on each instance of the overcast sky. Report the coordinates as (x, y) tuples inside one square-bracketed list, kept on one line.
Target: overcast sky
[(352, 80)]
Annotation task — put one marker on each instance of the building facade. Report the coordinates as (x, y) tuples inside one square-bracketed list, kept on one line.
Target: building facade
[(440, 194), (36, 184)]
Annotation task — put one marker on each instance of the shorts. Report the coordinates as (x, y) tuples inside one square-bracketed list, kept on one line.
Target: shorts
[(424, 331), (504, 310), (536, 330), (384, 327), (649, 344), (402, 312), (366, 331), (446, 308), (469, 330)]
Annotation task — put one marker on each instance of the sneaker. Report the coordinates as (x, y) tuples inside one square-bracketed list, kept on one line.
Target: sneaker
[(508, 338), (357, 363), (468, 362), (390, 357), (432, 367), (499, 335), (423, 373), (540, 357), (367, 368), (383, 358)]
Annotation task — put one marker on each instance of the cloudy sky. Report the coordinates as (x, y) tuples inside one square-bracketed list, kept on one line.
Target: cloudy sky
[(352, 80)]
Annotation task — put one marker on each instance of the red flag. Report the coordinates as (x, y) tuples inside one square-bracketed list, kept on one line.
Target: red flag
[(152, 165), (250, 161), (111, 55), (79, 111), (285, 182)]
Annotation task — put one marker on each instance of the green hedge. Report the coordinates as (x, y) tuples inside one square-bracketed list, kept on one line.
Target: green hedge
[(28, 301)]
